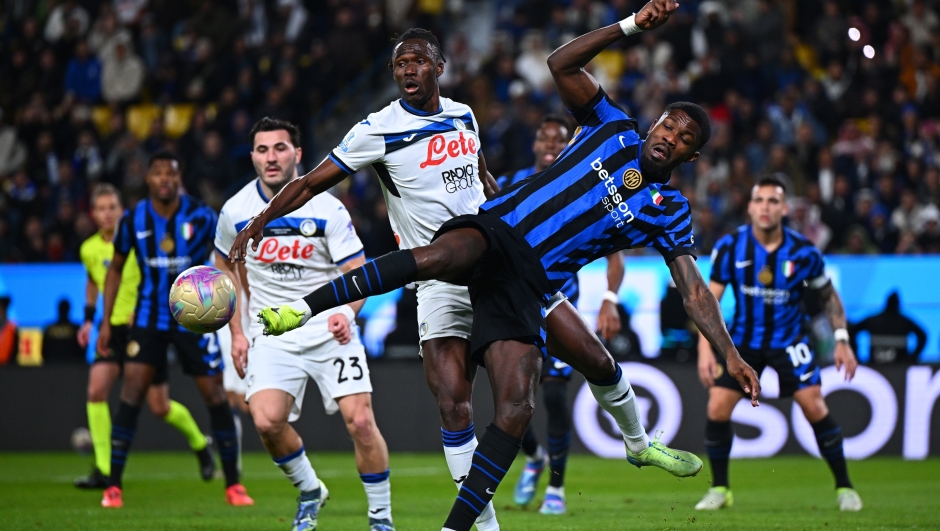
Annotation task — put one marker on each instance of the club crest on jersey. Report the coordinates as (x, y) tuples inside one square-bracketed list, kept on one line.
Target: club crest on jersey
[(766, 276), (344, 145), (632, 179), (788, 268), (308, 227), (187, 230), (458, 123), (167, 245)]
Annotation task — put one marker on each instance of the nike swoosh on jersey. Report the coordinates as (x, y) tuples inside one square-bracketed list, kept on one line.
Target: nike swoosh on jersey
[(621, 141), (141, 234), (743, 264), (490, 492), (357, 285), (215, 363), (410, 137)]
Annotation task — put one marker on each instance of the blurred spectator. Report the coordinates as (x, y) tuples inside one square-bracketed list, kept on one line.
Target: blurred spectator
[(67, 20), (929, 240), (12, 150), (890, 331), (59, 339), (83, 75), (9, 333), (906, 217), (122, 74)]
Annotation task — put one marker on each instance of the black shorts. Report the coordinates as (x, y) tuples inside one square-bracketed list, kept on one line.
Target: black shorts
[(795, 365), (508, 287), (198, 354), (118, 355)]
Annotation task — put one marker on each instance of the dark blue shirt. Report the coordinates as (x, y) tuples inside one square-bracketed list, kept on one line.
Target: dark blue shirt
[(164, 248), (768, 287), (593, 200)]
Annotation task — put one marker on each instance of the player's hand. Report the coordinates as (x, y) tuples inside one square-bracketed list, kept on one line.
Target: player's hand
[(745, 375), (240, 353), (104, 341), (608, 320), (339, 327), (253, 232), (707, 368), (84, 334), (844, 357), (655, 13)]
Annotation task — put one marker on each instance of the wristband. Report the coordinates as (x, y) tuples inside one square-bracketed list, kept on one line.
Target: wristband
[(610, 296), (841, 334), (628, 25), (347, 311), (89, 313)]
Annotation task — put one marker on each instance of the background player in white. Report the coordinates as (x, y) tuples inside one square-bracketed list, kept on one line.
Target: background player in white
[(302, 251)]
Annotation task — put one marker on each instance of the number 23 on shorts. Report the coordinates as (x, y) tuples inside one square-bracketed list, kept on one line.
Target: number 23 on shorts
[(353, 364)]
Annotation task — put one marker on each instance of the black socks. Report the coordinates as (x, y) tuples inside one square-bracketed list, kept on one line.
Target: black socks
[(382, 275), (829, 439), (718, 439), (492, 459), (123, 429), (226, 439)]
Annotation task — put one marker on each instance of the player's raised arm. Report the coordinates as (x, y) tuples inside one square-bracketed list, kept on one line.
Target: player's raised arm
[(293, 196), (575, 86), (702, 307)]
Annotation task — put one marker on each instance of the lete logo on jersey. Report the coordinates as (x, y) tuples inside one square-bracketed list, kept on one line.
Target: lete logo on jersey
[(440, 149), (272, 251)]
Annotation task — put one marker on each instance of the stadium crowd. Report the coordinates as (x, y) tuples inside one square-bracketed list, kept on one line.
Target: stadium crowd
[(841, 97)]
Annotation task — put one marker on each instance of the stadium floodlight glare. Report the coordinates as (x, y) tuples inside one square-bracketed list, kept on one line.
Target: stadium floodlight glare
[(868, 51), (854, 34)]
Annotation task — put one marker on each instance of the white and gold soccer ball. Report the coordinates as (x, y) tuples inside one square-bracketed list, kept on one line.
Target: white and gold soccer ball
[(202, 299)]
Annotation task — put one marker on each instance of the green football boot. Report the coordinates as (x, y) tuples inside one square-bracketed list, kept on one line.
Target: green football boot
[(679, 463), (282, 319)]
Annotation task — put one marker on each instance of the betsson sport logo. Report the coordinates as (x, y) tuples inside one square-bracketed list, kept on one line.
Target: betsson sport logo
[(614, 204)]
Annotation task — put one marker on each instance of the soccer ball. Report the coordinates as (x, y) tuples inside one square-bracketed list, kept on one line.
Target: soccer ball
[(81, 440), (202, 299)]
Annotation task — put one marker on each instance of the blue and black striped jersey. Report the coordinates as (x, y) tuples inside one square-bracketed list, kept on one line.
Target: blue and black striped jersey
[(572, 288), (164, 248), (594, 200), (767, 287)]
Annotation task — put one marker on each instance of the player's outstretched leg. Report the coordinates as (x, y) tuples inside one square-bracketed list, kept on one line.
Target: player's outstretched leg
[(449, 258), (513, 369), (371, 458), (555, 396), (719, 436), (535, 463), (829, 438)]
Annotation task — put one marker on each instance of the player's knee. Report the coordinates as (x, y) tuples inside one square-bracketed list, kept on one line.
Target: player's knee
[(362, 428), (517, 413), (815, 411), (455, 413), (159, 408), (718, 411), (97, 393), (268, 427)]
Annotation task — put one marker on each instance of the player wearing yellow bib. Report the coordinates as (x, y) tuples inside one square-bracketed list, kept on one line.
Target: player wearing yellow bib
[(96, 253)]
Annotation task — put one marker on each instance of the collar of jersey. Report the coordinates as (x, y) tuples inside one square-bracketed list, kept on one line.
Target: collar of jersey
[(419, 112), (261, 192)]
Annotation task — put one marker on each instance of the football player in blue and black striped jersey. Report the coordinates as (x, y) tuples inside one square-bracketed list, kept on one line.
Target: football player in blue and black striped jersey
[(769, 267), (169, 232), (606, 192)]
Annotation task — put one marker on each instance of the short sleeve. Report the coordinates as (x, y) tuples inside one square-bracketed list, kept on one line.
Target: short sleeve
[(84, 254), (816, 277), (600, 110), (224, 234), (124, 239), (341, 238), (362, 146), (722, 256)]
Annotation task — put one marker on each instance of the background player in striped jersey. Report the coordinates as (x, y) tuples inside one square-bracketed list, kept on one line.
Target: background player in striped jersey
[(169, 232), (550, 140), (605, 193), (769, 267), (302, 251), (96, 253)]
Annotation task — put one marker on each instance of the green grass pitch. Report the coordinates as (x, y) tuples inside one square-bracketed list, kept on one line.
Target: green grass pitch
[(162, 491)]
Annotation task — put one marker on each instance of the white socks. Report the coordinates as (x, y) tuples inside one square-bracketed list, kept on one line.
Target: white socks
[(459, 459), (238, 432), (620, 401), (379, 494), (297, 468)]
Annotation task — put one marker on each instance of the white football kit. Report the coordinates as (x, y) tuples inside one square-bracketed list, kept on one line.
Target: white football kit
[(300, 252), (428, 164)]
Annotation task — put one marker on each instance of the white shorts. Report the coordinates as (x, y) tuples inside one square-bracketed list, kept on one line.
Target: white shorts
[(553, 302), (230, 379), (444, 310), (286, 362)]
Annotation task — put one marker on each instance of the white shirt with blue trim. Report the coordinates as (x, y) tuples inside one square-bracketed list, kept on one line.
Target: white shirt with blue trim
[(299, 253), (428, 164)]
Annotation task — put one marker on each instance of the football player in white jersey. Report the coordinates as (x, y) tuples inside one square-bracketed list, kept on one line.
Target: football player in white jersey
[(426, 151), (302, 251)]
